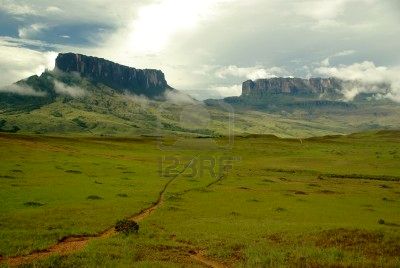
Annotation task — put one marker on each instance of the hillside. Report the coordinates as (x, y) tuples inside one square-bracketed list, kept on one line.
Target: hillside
[(91, 96)]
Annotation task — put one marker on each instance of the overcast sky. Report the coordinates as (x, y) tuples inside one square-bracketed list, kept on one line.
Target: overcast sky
[(208, 47)]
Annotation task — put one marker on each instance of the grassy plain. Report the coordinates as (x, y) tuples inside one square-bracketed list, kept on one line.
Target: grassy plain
[(327, 201)]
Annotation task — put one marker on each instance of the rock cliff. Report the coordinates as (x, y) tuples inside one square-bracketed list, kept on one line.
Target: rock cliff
[(292, 86), (148, 82)]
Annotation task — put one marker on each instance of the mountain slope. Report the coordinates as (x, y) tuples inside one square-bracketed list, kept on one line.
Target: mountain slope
[(83, 100)]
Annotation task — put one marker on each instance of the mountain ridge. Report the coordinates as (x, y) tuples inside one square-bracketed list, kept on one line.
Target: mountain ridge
[(291, 85), (147, 82), (92, 103)]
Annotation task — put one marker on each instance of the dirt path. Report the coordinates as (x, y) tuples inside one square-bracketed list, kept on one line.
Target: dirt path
[(200, 257), (72, 244)]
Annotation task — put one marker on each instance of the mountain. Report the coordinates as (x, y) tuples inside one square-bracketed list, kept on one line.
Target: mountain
[(294, 86), (147, 82), (70, 70), (85, 95), (289, 94)]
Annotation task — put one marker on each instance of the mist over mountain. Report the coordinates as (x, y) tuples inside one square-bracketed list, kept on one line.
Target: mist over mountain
[(85, 94), (289, 93)]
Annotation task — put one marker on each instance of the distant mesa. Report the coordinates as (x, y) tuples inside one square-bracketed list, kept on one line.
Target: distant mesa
[(292, 86), (148, 82), (289, 94)]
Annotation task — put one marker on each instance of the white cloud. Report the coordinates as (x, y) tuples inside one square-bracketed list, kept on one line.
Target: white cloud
[(53, 9), (156, 24), (326, 61), (322, 9), (344, 53), (22, 90), (16, 9), (253, 73), (164, 34), (227, 91), (18, 63), (31, 31), (369, 77), (64, 89), (327, 14), (177, 97)]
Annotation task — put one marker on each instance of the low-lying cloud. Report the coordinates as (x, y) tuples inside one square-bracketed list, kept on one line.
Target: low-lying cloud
[(228, 91), (72, 91), (177, 97), (23, 90), (367, 78)]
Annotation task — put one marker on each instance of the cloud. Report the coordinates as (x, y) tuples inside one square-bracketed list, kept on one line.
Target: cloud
[(322, 9), (22, 90), (253, 73), (54, 9), (17, 9), (327, 14), (227, 91), (177, 97), (326, 61), (344, 53), (31, 31), (18, 63), (156, 24), (142, 100), (367, 78), (164, 34), (64, 89)]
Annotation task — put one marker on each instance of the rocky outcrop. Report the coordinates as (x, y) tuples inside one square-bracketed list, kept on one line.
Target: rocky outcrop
[(148, 82), (292, 86)]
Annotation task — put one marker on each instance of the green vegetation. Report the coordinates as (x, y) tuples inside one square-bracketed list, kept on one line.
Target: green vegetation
[(126, 227), (327, 201), (104, 111)]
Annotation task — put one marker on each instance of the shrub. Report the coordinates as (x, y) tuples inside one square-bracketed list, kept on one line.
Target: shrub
[(127, 227), (80, 122), (381, 221), (94, 197), (33, 204)]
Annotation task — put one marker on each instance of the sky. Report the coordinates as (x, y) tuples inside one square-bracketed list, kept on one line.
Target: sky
[(207, 48)]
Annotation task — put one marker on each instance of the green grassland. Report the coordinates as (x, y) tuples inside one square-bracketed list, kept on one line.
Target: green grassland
[(325, 201), (104, 111)]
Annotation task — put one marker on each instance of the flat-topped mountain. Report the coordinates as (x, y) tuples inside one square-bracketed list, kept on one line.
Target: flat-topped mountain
[(289, 94), (98, 97), (148, 82), (295, 86)]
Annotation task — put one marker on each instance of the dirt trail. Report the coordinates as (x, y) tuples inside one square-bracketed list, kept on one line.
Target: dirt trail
[(75, 243), (200, 257)]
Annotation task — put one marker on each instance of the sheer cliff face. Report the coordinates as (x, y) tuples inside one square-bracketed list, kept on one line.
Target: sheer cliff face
[(146, 82), (294, 86)]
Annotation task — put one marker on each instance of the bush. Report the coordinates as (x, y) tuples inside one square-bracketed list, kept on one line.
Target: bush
[(33, 204), (127, 227), (381, 221), (94, 197)]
